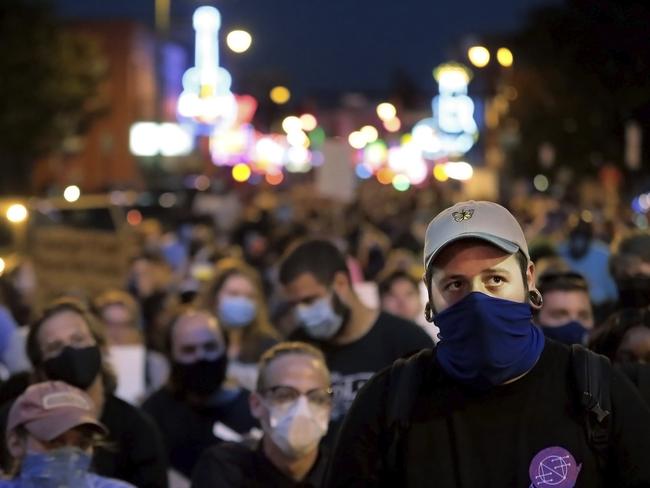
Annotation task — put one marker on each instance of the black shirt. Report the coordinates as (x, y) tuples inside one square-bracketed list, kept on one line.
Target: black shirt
[(134, 451), (187, 430), (531, 428), (351, 365), (231, 465)]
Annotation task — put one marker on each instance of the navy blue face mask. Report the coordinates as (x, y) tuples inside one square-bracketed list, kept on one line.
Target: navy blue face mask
[(486, 341), (570, 333)]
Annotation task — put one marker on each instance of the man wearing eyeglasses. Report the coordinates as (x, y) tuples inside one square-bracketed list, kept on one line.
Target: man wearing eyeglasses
[(293, 402), (195, 410)]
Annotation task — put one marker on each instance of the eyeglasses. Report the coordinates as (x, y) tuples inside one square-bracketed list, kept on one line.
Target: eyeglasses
[(284, 395)]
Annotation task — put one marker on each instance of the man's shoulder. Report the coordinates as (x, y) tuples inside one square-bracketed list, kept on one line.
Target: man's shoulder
[(401, 328), (229, 450), (232, 454), (119, 415)]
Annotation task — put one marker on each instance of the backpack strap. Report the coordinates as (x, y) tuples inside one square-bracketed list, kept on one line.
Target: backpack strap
[(592, 373), (405, 380)]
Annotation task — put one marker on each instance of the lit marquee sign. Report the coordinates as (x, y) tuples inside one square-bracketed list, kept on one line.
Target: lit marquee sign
[(206, 98), (452, 131), (454, 110)]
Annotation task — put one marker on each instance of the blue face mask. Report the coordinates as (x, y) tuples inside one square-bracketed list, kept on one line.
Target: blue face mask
[(67, 466), (570, 333), (236, 312), (486, 341), (319, 320)]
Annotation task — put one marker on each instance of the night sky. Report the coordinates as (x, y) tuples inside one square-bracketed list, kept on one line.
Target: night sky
[(335, 45)]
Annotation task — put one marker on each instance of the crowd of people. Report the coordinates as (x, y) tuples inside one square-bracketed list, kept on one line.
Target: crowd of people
[(268, 349)]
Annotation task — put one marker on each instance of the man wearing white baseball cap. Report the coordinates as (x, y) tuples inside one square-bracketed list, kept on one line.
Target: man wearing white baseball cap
[(495, 404), (51, 431)]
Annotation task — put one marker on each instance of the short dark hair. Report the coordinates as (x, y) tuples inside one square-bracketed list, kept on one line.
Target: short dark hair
[(561, 280), (634, 246), (318, 257), (607, 338), (386, 282), (69, 304)]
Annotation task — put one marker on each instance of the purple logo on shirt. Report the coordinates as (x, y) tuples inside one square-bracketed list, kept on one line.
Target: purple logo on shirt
[(553, 466)]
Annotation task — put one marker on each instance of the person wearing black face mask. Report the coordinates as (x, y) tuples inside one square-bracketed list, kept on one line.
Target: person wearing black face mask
[(630, 267), (67, 344), (587, 255), (195, 410), (496, 403), (567, 314)]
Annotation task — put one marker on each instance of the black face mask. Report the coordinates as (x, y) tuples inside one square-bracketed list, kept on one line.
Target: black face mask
[(634, 292), (202, 377), (77, 366)]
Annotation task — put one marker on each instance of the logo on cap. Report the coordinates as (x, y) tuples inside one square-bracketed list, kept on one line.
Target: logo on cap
[(463, 215), (64, 399)]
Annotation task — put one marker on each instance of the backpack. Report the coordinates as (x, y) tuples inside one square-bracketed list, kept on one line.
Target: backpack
[(591, 374)]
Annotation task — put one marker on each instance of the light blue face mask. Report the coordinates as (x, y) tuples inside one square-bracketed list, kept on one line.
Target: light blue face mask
[(67, 466), (236, 312), (319, 319)]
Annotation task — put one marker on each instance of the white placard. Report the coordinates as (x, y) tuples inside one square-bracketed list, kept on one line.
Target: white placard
[(129, 364)]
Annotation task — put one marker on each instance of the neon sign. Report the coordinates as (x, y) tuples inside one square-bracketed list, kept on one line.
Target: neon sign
[(206, 98)]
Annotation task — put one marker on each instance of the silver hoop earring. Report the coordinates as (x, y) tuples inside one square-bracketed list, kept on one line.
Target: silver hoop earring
[(536, 298), (428, 313)]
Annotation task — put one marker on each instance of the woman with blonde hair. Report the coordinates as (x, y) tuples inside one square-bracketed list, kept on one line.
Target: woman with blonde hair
[(236, 296)]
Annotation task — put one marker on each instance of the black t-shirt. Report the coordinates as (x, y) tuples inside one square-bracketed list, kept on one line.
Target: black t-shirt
[(187, 431), (353, 364), (231, 465), (529, 431), (134, 451)]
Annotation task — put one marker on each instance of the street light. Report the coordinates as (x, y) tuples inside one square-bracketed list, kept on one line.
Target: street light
[(17, 213), (505, 57), (71, 193), (479, 56), (239, 41), (386, 111), (280, 95)]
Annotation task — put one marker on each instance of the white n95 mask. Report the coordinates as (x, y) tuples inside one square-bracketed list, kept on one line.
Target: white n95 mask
[(298, 429)]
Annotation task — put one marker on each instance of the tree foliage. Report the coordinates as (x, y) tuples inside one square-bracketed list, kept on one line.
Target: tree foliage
[(49, 80), (581, 75)]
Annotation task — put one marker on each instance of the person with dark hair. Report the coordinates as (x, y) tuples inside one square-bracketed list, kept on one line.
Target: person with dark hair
[(236, 296), (399, 294), (625, 339), (589, 256), (567, 315), (194, 410), (67, 344), (292, 401), (496, 403), (630, 267), (51, 433), (150, 282), (625, 336), (357, 341)]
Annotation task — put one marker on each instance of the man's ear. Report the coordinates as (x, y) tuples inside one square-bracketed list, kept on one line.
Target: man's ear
[(341, 284), (258, 410), (530, 276), (16, 445)]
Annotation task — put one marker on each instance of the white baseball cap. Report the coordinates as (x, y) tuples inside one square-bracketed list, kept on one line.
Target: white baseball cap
[(483, 220)]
